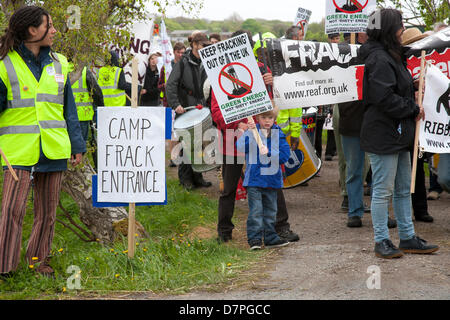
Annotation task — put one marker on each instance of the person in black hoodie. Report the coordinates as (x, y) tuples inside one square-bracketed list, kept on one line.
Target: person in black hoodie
[(388, 132)]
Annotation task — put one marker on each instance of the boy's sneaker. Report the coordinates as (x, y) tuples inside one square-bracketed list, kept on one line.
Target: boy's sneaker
[(277, 244), (255, 247), (417, 245)]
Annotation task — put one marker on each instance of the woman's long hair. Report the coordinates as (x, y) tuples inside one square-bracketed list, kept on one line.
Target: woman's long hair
[(17, 31), (385, 30)]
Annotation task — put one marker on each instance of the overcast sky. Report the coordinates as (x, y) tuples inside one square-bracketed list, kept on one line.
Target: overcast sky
[(283, 10)]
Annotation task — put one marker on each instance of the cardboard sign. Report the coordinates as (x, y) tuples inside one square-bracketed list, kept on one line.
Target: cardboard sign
[(435, 130), (235, 78), (314, 73), (350, 16), (131, 155), (302, 19)]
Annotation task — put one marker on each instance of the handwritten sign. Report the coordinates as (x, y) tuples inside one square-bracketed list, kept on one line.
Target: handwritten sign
[(131, 155)]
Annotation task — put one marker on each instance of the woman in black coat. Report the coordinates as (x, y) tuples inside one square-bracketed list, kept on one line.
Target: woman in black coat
[(388, 132)]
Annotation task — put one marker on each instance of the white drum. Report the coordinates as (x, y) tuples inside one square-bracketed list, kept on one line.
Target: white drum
[(194, 121)]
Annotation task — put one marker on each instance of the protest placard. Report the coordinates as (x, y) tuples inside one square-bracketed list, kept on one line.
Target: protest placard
[(435, 129), (141, 43), (314, 73), (350, 16), (235, 78), (302, 19), (131, 155)]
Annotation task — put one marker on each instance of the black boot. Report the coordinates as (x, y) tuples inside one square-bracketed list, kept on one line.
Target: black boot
[(417, 245), (424, 218), (386, 249), (200, 182)]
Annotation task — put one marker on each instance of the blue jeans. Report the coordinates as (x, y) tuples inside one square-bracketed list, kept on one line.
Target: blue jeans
[(261, 218), (391, 177), (444, 171), (354, 180)]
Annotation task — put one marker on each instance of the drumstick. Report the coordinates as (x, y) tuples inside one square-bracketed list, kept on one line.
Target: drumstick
[(9, 165)]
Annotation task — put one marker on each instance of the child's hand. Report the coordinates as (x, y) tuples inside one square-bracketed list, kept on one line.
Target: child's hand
[(251, 125), (243, 126), (263, 150)]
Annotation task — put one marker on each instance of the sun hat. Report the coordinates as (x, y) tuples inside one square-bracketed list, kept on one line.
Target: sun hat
[(412, 35)]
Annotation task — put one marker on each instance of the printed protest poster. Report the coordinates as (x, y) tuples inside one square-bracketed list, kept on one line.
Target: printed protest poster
[(131, 155), (235, 78), (437, 48), (435, 129), (310, 74), (302, 19), (350, 16)]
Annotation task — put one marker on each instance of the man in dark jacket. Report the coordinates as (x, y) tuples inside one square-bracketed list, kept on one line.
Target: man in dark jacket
[(184, 89)]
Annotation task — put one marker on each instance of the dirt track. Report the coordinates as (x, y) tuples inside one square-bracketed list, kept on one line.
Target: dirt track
[(330, 261)]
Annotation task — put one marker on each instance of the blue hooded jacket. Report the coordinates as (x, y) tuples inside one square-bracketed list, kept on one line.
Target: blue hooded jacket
[(264, 171)]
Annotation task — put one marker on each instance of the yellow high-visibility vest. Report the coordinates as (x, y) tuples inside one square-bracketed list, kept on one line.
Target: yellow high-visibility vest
[(83, 99), (108, 80), (35, 111), (290, 121)]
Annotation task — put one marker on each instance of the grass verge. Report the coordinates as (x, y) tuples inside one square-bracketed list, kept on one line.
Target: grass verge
[(181, 255)]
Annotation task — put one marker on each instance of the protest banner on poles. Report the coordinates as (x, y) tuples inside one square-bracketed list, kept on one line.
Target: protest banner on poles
[(235, 78), (314, 73), (302, 19), (435, 129), (349, 16)]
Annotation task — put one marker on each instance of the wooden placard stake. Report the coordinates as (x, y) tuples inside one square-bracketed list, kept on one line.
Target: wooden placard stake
[(416, 140), (13, 173), (132, 206)]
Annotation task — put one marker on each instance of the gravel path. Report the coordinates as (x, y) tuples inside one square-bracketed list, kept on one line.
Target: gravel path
[(331, 261)]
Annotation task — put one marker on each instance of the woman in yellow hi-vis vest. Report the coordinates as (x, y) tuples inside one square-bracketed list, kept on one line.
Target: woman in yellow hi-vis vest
[(39, 132)]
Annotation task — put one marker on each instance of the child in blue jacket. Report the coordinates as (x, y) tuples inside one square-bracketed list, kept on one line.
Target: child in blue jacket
[(263, 177)]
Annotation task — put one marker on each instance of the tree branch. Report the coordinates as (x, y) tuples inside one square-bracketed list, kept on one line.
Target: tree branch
[(90, 236)]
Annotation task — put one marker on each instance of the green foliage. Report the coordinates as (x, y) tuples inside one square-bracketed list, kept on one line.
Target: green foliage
[(253, 26), (3, 21), (421, 13), (232, 24)]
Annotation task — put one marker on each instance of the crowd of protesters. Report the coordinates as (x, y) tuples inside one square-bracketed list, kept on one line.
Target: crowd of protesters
[(372, 138)]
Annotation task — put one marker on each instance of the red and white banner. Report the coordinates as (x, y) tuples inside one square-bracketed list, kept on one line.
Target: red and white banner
[(310, 74), (437, 47)]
